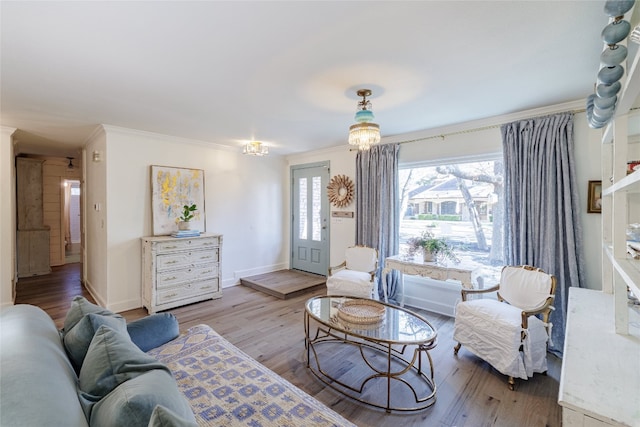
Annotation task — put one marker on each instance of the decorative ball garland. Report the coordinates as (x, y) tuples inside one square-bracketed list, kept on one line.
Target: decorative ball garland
[(602, 104), (340, 191)]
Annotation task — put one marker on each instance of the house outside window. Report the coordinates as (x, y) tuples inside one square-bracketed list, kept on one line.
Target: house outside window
[(462, 203)]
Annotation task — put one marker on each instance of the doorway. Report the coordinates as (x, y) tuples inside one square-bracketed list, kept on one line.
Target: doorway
[(309, 225), (72, 222)]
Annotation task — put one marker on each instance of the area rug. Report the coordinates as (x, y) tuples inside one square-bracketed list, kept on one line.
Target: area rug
[(226, 387)]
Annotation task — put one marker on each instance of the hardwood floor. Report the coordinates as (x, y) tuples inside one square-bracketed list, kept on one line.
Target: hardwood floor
[(470, 392)]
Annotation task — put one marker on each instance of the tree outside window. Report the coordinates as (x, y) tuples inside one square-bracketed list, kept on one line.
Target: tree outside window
[(462, 203)]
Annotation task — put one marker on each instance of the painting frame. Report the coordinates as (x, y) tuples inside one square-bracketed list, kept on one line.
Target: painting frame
[(594, 197), (171, 189)]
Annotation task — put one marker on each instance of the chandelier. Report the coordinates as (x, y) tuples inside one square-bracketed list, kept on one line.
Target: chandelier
[(364, 133), (255, 148)]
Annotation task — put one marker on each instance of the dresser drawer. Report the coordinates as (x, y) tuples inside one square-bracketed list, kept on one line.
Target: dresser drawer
[(176, 260), (171, 278), (187, 290), (186, 244)]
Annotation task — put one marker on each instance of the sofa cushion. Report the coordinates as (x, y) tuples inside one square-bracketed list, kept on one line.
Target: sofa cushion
[(132, 402), (154, 330), (111, 360), (163, 417), (81, 307), (37, 384), (78, 339)]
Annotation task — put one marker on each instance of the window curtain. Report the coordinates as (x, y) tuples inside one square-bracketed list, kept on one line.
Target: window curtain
[(541, 222), (377, 206)]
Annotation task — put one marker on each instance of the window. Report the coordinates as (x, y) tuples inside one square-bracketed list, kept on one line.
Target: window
[(461, 203)]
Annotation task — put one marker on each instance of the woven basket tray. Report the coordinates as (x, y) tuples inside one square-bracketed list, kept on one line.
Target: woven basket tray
[(361, 311)]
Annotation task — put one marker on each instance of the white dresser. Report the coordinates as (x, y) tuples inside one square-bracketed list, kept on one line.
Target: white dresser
[(179, 271)]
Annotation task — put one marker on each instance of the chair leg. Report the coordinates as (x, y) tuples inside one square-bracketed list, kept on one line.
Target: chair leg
[(512, 383), (456, 348)]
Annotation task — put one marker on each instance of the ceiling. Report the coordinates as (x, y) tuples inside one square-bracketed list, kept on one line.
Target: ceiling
[(284, 72)]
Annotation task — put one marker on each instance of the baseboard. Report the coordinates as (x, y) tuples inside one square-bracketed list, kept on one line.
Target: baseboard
[(117, 307)]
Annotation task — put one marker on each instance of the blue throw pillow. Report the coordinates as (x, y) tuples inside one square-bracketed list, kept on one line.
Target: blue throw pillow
[(153, 331), (163, 417), (81, 307), (77, 340), (132, 402), (111, 360)]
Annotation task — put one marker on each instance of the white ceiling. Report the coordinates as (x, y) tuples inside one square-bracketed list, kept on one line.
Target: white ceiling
[(284, 72)]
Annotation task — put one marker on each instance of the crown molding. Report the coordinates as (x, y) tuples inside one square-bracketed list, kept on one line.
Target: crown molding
[(168, 138)]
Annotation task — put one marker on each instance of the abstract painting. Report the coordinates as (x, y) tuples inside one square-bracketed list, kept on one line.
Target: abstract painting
[(171, 189)]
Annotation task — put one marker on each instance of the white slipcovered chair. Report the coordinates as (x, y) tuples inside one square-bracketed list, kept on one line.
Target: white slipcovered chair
[(507, 332), (356, 275)]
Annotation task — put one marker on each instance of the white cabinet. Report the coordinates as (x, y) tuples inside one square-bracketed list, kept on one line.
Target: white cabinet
[(179, 271)]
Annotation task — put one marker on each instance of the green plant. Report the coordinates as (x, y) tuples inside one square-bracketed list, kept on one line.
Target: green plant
[(429, 243), (188, 212)]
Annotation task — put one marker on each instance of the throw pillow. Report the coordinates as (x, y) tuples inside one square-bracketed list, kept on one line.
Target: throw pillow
[(111, 360), (132, 402), (77, 340), (163, 417), (153, 331), (81, 307)]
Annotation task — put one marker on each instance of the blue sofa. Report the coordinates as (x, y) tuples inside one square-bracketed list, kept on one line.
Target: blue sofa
[(39, 385)]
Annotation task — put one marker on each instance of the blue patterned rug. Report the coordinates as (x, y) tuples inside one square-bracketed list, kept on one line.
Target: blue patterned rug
[(226, 387)]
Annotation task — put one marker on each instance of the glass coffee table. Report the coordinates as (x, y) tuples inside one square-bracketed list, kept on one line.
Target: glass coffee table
[(371, 351)]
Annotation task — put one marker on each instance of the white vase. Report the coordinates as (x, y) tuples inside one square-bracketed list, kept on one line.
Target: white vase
[(428, 256), (184, 225)]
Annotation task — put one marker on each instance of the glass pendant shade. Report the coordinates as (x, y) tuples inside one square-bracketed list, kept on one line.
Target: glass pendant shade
[(364, 133), (255, 148)]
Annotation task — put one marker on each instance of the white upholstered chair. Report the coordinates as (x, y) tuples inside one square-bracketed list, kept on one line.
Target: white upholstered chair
[(356, 275), (507, 332)]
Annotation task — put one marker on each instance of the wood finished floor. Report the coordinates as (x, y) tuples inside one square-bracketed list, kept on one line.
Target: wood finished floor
[(470, 392)]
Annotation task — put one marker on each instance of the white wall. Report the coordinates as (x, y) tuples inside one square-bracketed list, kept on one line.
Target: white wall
[(342, 231), (243, 202), (587, 150), (7, 217), (94, 193)]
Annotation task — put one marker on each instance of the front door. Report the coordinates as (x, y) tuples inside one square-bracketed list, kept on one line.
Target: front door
[(309, 219)]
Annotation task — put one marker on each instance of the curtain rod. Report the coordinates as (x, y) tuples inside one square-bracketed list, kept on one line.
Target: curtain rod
[(460, 132)]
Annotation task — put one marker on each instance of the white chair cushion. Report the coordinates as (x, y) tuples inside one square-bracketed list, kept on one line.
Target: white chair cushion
[(491, 330), (361, 258), (350, 283), (523, 288)]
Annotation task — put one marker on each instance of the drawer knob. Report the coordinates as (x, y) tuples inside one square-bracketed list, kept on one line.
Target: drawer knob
[(170, 278)]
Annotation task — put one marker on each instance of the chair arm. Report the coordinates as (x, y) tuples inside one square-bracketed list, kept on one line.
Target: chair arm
[(337, 267), (465, 291), (544, 309), (373, 274)]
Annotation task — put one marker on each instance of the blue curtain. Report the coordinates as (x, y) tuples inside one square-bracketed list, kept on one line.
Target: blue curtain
[(541, 222), (377, 206)]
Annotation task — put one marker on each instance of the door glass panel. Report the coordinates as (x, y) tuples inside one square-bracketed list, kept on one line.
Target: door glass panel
[(317, 201), (302, 214)]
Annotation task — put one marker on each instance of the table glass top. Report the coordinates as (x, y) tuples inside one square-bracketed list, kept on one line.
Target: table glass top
[(398, 325)]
